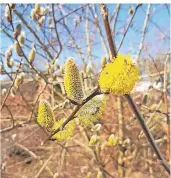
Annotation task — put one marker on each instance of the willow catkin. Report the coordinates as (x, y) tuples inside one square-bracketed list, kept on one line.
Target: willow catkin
[(9, 51), (40, 22), (93, 140), (21, 39), (32, 54), (113, 140), (100, 174), (18, 49), (45, 116), (103, 62), (37, 8), (72, 81), (4, 91), (7, 13), (10, 63), (92, 110), (17, 30), (65, 132), (96, 128), (33, 15)]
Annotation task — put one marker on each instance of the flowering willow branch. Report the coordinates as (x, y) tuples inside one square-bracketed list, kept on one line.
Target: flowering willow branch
[(104, 13), (76, 109)]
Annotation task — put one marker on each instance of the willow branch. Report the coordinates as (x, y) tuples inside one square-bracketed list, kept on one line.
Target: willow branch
[(133, 106)]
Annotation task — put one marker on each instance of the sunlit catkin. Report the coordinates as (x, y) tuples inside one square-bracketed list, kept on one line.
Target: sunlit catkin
[(93, 140), (21, 39), (119, 76), (113, 140), (103, 62), (7, 13), (33, 15), (18, 49), (100, 174), (37, 8), (96, 128), (40, 22), (4, 91), (45, 116), (32, 54), (92, 110), (65, 132), (72, 81), (10, 63)]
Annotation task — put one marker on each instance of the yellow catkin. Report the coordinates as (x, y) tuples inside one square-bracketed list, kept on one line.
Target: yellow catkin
[(103, 61), (119, 76), (113, 140), (93, 140), (88, 175), (32, 54), (100, 174), (33, 15), (72, 81), (17, 82), (37, 8), (92, 110), (66, 132), (45, 116)]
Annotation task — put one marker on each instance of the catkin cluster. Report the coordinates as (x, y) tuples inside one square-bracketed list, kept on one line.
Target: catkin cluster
[(38, 14), (72, 81), (46, 119), (8, 57)]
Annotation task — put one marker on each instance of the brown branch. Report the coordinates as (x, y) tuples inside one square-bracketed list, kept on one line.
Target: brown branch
[(104, 12)]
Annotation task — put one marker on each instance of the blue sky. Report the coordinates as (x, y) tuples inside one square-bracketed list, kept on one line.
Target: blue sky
[(158, 15)]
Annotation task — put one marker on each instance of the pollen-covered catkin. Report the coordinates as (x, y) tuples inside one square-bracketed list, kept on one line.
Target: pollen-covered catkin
[(45, 115), (72, 81), (66, 132), (92, 110), (119, 76)]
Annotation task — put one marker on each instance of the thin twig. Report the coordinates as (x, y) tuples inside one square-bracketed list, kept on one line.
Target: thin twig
[(133, 106), (129, 24), (143, 34), (44, 166)]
